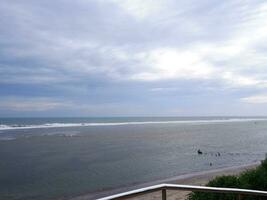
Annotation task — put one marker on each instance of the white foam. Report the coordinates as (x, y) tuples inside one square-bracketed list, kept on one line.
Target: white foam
[(62, 125)]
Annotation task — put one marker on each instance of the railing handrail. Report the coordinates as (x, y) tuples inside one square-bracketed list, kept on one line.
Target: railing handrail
[(166, 186)]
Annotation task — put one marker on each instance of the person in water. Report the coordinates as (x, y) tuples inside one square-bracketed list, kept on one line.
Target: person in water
[(199, 152)]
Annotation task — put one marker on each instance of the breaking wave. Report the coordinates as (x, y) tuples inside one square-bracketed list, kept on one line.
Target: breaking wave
[(62, 125)]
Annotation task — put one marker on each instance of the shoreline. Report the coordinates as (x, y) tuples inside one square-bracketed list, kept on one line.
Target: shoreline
[(194, 178)]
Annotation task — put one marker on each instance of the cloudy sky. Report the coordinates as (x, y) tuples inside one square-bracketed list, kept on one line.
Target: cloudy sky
[(133, 57)]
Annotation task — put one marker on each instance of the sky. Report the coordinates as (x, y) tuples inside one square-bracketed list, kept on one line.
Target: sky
[(133, 58)]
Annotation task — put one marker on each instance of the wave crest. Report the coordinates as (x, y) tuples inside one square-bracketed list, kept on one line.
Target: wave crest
[(62, 125)]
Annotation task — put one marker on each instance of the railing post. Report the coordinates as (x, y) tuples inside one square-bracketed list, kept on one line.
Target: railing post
[(164, 194), (239, 197)]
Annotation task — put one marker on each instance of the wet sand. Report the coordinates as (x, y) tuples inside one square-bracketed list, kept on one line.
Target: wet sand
[(198, 178)]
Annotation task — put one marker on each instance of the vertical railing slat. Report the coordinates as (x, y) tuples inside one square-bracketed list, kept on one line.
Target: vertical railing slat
[(164, 194)]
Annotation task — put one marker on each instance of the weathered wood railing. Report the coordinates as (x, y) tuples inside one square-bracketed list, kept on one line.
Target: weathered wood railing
[(164, 187)]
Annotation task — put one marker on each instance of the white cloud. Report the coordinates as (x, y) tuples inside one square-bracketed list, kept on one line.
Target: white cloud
[(238, 61), (170, 63), (159, 89), (236, 80), (256, 99), (140, 9), (226, 60)]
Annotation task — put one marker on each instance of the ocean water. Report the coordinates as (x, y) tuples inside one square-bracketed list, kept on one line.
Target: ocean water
[(52, 158)]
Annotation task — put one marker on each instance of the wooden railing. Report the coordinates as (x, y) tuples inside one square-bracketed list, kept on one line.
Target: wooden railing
[(164, 187)]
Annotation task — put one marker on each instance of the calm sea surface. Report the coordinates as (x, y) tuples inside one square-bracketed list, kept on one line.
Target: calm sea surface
[(51, 158)]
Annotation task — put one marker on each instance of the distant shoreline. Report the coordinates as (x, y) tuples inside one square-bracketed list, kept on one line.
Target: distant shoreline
[(195, 178)]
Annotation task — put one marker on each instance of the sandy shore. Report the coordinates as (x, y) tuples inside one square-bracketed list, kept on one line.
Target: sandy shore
[(198, 178)]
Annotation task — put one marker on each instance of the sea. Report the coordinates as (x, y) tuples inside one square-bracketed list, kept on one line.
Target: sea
[(62, 158)]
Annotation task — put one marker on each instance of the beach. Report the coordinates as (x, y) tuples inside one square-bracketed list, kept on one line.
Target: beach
[(48, 161), (197, 178)]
